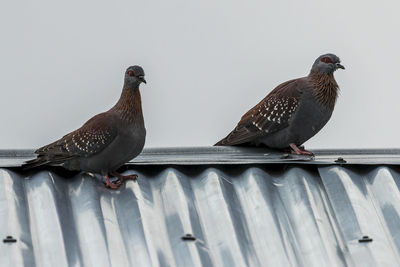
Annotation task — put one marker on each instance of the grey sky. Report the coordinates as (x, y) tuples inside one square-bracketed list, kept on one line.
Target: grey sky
[(206, 63)]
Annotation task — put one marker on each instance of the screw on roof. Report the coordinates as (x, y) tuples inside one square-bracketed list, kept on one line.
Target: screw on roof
[(340, 160), (285, 156), (188, 237), (365, 239), (9, 239)]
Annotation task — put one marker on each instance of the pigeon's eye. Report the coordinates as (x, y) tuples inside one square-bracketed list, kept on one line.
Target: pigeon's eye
[(326, 60), (130, 73)]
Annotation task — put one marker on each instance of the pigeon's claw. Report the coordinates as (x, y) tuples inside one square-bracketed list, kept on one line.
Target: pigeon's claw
[(298, 151), (123, 178), (110, 184)]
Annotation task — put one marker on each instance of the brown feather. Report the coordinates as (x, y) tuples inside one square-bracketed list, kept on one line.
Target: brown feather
[(325, 88), (266, 116), (129, 106), (96, 134), (89, 139)]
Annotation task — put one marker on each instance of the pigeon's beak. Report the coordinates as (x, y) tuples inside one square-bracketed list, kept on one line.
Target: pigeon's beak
[(141, 78), (339, 66)]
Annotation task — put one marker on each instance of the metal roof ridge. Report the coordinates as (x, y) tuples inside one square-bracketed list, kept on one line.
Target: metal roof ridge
[(234, 155)]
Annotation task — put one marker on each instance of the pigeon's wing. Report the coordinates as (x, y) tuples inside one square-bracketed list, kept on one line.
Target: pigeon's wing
[(272, 114), (94, 136)]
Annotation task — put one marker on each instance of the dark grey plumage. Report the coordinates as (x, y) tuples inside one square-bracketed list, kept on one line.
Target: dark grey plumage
[(106, 141), (293, 112)]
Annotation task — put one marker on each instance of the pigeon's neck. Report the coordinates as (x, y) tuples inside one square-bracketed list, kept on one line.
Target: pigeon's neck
[(326, 89), (129, 106)]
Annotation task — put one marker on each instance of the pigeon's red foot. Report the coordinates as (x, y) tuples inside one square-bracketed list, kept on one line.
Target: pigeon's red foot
[(298, 151), (123, 178), (120, 181), (109, 184)]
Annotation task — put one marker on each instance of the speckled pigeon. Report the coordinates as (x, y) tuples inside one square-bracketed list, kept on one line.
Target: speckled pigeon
[(106, 141), (293, 112)]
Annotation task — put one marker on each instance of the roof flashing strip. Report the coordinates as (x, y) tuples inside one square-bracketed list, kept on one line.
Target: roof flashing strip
[(236, 155)]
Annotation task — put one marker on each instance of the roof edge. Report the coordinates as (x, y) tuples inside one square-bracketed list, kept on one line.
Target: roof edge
[(234, 155)]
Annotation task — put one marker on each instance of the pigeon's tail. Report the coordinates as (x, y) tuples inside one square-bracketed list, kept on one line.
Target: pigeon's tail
[(220, 143), (34, 163), (46, 160), (234, 138)]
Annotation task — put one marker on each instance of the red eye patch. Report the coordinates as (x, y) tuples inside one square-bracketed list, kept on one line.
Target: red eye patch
[(326, 60), (130, 73)]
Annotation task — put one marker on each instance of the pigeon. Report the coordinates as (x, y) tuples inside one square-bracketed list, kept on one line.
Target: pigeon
[(106, 141), (292, 113)]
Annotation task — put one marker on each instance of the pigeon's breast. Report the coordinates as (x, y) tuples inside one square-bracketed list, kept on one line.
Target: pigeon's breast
[(309, 119)]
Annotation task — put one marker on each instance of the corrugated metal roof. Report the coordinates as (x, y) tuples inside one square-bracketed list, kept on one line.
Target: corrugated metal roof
[(287, 214)]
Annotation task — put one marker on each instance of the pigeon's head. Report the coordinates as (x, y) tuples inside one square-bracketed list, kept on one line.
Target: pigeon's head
[(134, 76), (327, 63)]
